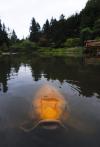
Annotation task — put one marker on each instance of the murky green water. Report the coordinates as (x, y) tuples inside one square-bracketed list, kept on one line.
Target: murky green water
[(78, 81)]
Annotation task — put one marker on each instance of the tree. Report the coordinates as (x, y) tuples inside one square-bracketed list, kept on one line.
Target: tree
[(86, 34), (73, 26), (96, 28), (57, 31), (62, 17), (90, 13), (13, 37), (60, 33), (34, 31), (3, 35), (46, 29)]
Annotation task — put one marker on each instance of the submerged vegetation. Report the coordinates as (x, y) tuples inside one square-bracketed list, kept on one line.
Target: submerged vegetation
[(56, 36)]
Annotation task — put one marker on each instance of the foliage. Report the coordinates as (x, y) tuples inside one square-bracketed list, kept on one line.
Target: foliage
[(72, 42), (90, 13), (86, 34), (96, 28), (72, 52), (34, 31), (46, 29), (24, 46), (13, 38), (4, 48), (43, 42), (3, 35), (73, 26), (97, 38), (56, 33)]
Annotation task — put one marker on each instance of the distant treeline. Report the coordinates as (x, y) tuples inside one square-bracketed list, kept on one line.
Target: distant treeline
[(59, 33)]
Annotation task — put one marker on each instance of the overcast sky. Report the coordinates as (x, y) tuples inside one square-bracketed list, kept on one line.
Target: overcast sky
[(17, 14)]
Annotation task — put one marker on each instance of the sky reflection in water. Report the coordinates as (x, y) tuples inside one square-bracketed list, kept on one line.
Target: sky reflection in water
[(78, 82)]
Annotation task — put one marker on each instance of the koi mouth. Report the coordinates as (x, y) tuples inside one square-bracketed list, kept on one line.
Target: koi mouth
[(50, 124)]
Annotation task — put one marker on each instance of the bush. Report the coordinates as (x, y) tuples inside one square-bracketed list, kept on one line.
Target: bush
[(4, 48), (28, 45), (97, 38), (43, 42), (72, 42), (24, 46)]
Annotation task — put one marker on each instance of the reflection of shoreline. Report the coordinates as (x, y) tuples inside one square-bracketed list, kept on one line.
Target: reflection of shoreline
[(54, 68), (9, 65), (92, 60)]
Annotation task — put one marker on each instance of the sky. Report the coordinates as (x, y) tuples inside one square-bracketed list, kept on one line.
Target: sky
[(17, 14)]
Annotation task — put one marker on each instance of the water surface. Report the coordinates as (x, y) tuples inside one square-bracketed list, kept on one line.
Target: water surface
[(78, 82)]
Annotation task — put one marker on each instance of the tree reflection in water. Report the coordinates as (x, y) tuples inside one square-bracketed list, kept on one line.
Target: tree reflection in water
[(84, 79), (72, 70)]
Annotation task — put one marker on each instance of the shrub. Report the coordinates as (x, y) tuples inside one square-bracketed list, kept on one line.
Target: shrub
[(97, 38), (72, 42), (4, 48), (43, 42), (24, 46)]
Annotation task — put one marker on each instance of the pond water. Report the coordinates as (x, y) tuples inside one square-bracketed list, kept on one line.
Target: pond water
[(79, 83)]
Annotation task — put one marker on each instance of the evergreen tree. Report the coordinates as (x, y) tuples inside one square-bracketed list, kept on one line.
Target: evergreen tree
[(46, 29), (3, 35), (62, 17), (96, 28), (80, 25), (90, 13), (13, 37), (34, 31), (60, 34), (73, 26), (0, 33)]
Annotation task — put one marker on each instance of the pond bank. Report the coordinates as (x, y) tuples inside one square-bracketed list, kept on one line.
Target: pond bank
[(71, 52)]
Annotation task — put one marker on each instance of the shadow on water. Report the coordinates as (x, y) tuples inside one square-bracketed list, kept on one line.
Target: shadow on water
[(22, 76)]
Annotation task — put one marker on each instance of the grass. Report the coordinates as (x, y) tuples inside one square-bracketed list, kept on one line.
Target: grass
[(71, 52), (31, 48)]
